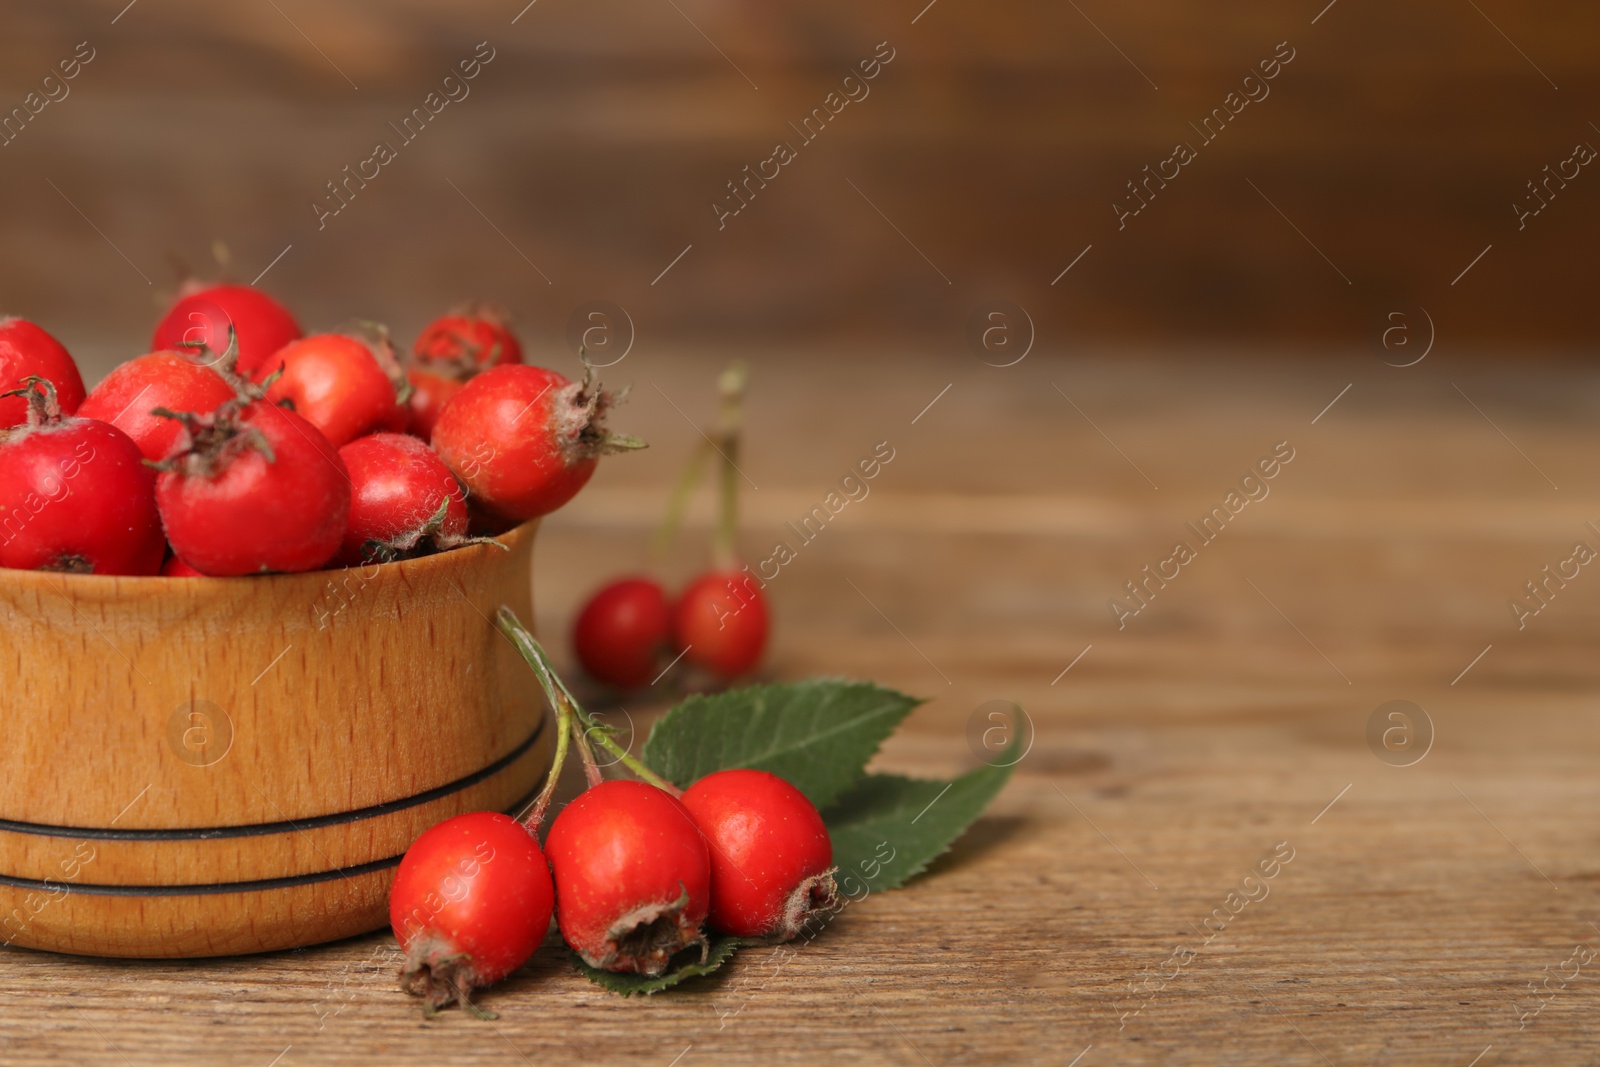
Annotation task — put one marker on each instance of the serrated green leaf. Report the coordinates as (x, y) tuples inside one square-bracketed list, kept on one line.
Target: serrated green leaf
[(686, 964), (888, 828), (818, 735)]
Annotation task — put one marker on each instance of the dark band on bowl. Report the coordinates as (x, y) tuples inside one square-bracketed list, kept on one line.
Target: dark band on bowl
[(208, 833), (254, 886)]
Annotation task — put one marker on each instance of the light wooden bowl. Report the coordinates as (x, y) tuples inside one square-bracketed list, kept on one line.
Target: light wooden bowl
[(208, 766)]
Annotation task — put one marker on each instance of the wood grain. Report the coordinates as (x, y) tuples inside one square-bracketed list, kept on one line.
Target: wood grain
[(998, 142), (1169, 760), (178, 735)]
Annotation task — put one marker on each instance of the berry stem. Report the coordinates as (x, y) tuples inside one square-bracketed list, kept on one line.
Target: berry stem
[(519, 636), (729, 422), (591, 768), (678, 502), (568, 710)]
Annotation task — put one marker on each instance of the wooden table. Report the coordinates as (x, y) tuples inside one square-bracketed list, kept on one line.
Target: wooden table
[(1226, 723)]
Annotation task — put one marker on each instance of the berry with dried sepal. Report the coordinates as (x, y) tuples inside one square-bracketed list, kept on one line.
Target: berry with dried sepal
[(632, 874)]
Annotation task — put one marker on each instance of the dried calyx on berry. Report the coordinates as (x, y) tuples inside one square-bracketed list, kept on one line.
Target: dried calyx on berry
[(578, 415), (44, 407), (375, 335), (209, 442)]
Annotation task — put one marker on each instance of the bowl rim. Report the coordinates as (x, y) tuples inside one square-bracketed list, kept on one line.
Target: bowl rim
[(66, 581)]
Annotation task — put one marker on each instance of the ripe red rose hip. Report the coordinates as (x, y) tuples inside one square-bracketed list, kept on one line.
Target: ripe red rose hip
[(622, 630), (75, 495), (430, 392), (27, 351), (524, 440), (632, 876), (402, 496), (129, 395), (203, 316), (341, 384), (253, 489), (470, 903), (471, 338), (771, 858), (721, 618)]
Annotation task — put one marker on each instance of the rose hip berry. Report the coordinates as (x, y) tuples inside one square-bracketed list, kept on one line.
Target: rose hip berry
[(253, 488), (470, 903), (27, 351), (430, 392), (128, 396), (621, 631), (341, 384), (524, 439), (632, 876), (203, 316), (771, 859), (721, 618), (75, 495), (402, 495), (469, 339)]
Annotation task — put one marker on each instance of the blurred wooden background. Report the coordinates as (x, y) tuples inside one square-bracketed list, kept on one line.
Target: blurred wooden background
[(995, 143)]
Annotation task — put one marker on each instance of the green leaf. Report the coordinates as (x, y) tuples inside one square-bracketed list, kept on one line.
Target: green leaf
[(818, 735), (888, 828), (687, 964)]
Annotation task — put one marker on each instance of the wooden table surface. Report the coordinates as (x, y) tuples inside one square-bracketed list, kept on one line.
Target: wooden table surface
[(1423, 905)]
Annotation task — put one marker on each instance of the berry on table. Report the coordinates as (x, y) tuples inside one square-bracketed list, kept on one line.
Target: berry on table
[(771, 858), (632, 874), (622, 630), (470, 904), (721, 619)]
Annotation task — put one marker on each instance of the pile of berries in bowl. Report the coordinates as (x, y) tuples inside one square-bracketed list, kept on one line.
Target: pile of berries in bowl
[(241, 446)]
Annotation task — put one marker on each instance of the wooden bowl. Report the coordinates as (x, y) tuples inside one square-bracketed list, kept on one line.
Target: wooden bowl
[(208, 766)]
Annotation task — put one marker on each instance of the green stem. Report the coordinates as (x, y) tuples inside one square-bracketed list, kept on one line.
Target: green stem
[(591, 768), (731, 386), (569, 713), (678, 502), (519, 636)]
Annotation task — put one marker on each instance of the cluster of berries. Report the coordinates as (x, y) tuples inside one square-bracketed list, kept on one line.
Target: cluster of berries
[(719, 623), (241, 446), (633, 871)]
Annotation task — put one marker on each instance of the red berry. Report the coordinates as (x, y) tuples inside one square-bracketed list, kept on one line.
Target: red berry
[(75, 495), (721, 619), (127, 397), (771, 859), (398, 490), (252, 490), (27, 351), (470, 903), (177, 568), (204, 315), (430, 392), (470, 339), (621, 630), (522, 439), (340, 384), (632, 876)]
